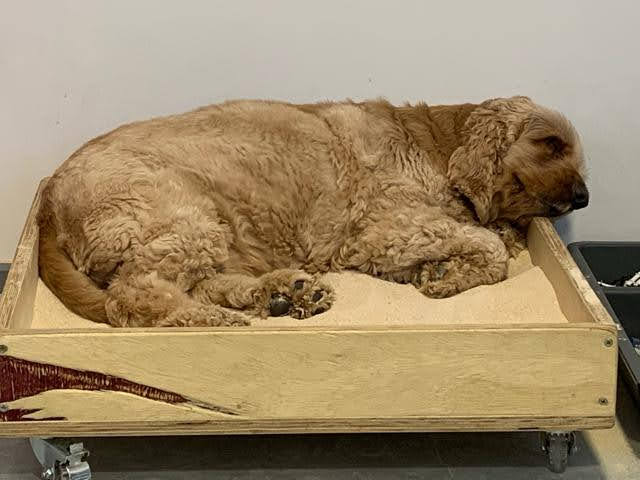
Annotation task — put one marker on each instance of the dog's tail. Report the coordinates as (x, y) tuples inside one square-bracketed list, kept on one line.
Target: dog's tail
[(75, 289)]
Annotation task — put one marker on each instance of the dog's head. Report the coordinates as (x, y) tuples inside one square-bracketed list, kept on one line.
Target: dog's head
[(519, 160)]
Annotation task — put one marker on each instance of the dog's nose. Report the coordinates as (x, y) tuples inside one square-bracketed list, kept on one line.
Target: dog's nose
[(580, 197)]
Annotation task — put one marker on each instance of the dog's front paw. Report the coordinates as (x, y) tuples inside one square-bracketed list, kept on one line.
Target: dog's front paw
[(458, 274), (294, 293), (439, 289), (437, 280)]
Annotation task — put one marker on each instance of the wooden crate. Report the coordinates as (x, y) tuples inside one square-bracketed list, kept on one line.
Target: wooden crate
[(149, 381)]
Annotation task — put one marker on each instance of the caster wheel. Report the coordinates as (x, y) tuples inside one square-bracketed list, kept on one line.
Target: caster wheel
[(61, 459), (558, 446)]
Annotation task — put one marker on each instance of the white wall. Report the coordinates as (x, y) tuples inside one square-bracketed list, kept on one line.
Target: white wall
[(70, 70)]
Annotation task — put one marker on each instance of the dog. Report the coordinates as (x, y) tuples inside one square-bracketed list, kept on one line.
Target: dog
[(235, 210)]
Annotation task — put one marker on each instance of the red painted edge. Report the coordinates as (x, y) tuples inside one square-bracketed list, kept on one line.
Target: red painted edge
[(22, 378)]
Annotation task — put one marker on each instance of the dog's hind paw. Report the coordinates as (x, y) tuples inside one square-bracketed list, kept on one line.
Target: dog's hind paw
[(295, 293)]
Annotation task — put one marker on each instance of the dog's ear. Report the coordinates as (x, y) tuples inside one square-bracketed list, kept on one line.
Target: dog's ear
[(473, 166)]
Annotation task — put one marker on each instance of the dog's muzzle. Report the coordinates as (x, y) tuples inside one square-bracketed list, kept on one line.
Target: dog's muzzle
[(579, 196)]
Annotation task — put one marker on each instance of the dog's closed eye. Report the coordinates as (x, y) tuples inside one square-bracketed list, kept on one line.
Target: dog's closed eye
[(555, 144)]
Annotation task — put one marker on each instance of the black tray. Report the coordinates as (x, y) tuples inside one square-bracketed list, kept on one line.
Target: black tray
[(4, 270), (607, 262)]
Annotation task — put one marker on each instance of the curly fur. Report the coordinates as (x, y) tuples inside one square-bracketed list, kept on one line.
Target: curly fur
[(188, 219)]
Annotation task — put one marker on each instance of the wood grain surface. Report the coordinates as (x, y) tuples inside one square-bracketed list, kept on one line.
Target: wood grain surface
[(19, 293), (577, 299), (256, 376)]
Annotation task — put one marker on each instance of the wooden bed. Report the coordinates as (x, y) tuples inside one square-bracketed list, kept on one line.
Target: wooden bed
[(293, 376)]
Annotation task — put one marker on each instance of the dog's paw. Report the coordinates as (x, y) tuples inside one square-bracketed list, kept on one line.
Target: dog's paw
[(439, 289), (294, 293), (458, 274), (437, 280)]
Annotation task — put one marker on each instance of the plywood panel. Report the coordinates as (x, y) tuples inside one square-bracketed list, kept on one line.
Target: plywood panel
[(190, 426), (578, 301), (18, 296), (343, 374)]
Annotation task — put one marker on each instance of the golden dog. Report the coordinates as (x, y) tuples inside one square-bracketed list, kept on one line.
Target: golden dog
[(188, 219)]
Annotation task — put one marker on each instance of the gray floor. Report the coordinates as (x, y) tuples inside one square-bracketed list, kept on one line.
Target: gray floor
[(605, 454)]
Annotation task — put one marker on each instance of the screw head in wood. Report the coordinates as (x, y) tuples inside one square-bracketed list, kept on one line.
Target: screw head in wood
[(603, 401), (3, 349), (608, 342)]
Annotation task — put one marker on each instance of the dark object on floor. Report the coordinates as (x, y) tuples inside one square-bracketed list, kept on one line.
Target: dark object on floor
[(630, 280), (4, 271), (604, 264)]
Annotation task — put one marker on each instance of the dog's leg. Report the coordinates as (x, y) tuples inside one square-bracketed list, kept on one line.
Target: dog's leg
[(514, 239), (478, 257), (179, 243), (145, 300), (439, 255), (281, 292)]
